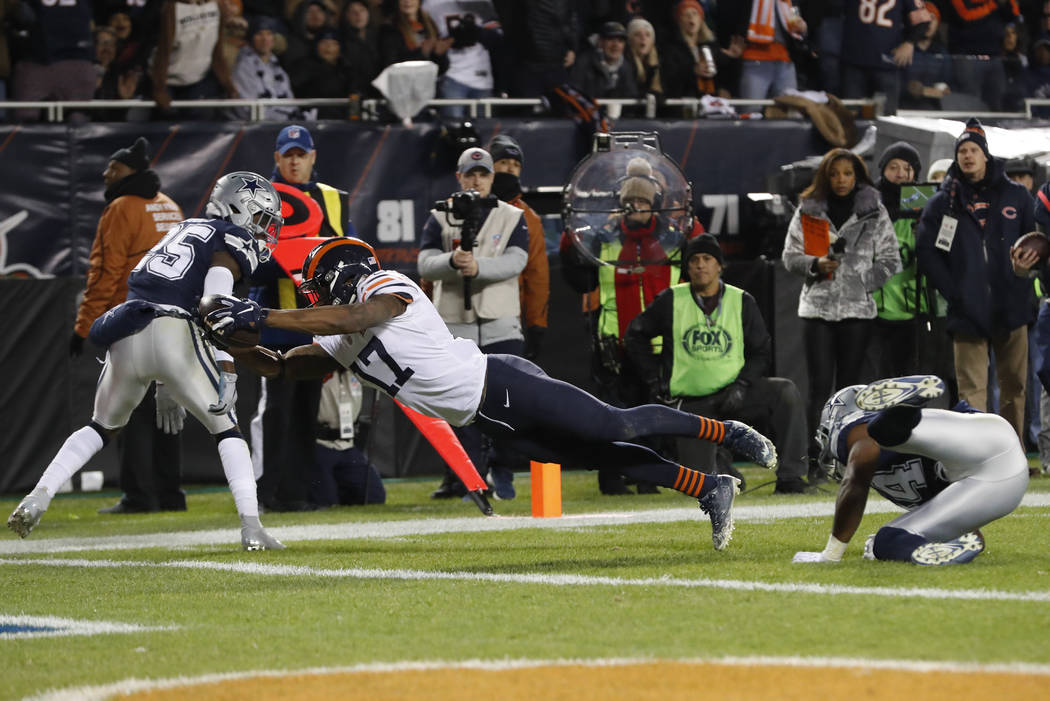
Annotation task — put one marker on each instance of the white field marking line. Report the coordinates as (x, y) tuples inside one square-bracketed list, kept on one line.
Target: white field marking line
[(434, 526), (556, 580), (70, 626), (130, 686)]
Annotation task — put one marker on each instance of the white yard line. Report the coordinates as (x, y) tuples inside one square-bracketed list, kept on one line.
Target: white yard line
[(432, 526), (130, 686), (557, 580), (53, 626)]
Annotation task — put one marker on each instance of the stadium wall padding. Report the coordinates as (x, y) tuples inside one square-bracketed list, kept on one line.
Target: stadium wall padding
[(393, 174)]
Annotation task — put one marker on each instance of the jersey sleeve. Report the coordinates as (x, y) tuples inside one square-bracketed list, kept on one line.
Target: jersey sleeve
[(333, 345), (241, 245), (840, 433), (384, 282)]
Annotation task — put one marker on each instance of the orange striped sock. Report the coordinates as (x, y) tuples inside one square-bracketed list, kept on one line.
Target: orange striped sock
[(689, 481), (711, 430)]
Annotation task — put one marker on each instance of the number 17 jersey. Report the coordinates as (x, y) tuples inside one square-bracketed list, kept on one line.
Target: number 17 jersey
[(412, 357)]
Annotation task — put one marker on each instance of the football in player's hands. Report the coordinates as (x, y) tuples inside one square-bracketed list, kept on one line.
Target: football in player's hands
[(229, 321), (1035, 241)]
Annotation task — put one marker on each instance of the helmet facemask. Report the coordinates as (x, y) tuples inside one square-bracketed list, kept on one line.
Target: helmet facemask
[(251, 202), (336, 267), (836, 409)]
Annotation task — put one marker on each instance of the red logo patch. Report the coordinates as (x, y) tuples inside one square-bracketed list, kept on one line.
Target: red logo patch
[(1010, 212)]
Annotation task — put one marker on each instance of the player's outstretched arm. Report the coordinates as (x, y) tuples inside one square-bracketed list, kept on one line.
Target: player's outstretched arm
[(302, 363), (337, 319), (852, 496)]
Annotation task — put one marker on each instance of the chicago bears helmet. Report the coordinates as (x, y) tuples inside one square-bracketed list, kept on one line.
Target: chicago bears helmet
[(332, 270), (250, 201), (841, 405)]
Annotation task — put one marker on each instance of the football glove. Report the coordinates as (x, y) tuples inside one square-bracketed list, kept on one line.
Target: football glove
[(170, 414), (733, 400), (235, 313), (227, 394), (76, 345)]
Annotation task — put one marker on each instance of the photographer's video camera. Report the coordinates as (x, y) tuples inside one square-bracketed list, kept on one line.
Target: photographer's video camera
[(467, 204)]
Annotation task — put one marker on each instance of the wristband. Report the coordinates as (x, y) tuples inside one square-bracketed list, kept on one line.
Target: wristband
[(834, 550)]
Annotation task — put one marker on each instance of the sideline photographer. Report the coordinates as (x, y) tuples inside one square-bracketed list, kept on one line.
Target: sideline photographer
[(473, 247)]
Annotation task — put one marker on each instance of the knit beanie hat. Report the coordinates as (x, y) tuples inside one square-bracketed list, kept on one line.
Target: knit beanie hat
[(638, 24), (974, 132), (685, 5), (135, 157), (639, 181), (939, 166), (704, 243), (904, 151), (504, 146)]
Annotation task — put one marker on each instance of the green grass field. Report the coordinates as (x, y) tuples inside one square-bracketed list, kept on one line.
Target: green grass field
[(418, 580)]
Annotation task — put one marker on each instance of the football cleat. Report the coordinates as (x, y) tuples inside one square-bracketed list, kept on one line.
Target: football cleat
[(954, 552), (28, 513), (916, 391), (749, 443), (255, 537), (718, 505)]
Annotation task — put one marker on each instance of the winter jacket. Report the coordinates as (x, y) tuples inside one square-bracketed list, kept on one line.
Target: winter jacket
[(657, 320), (985, 298), (137, 217), (869, 260), (591, 78), (255, 78), (534, 284)]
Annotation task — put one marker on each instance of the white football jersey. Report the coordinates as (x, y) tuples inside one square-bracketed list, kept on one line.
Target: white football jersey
[(413, 357)]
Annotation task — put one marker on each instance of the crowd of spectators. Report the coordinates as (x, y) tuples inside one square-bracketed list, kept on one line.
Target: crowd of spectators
[(937, 54)]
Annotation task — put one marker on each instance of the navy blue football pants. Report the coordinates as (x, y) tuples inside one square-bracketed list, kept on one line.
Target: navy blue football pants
[(548, 420)]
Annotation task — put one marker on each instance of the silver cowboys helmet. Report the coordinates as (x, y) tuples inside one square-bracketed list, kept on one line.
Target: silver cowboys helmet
[(836, 409), (250, 201)]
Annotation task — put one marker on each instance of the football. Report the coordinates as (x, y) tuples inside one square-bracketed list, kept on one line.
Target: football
[(241, 338), (1035, 241)]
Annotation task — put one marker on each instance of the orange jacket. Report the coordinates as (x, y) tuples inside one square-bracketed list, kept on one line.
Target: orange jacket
[(130, 225), (534, 283)]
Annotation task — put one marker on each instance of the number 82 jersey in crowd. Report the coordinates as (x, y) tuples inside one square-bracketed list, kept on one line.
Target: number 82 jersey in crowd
[(413, 357)]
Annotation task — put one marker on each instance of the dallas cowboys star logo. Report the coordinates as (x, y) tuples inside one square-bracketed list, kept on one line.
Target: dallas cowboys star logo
[(251, 185)]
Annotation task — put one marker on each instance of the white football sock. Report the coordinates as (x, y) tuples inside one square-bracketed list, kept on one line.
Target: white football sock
[(80, 447), (237, 464)]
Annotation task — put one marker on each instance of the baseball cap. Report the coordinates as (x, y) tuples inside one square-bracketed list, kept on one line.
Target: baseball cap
[(474, 158), (294, 136), (611, 30)]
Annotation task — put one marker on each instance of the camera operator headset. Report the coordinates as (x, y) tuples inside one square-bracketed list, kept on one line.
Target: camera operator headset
[(487, 309)]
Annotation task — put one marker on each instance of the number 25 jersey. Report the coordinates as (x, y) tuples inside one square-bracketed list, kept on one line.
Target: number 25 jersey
[(173, 271), (413, 357)]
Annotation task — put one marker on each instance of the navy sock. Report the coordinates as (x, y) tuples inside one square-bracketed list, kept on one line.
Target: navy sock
[(896, 544), (893, 426)]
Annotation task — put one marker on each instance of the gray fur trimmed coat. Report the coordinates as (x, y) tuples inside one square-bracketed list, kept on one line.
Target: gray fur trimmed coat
[(869, 260)]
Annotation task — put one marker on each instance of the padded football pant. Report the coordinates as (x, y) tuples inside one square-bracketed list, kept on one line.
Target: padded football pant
[(550, 420), (981, 456), (171, 351)]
